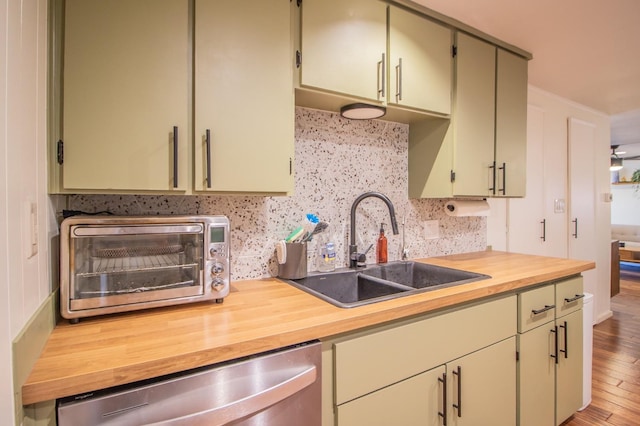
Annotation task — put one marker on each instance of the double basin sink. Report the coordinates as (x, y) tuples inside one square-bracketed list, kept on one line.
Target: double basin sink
[(347, 288)]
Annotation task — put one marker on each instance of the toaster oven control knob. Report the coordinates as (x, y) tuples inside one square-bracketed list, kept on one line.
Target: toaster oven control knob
[(217, 284), (217, 269)]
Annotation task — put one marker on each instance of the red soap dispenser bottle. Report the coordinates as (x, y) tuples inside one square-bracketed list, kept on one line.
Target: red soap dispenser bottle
[(382, 246)]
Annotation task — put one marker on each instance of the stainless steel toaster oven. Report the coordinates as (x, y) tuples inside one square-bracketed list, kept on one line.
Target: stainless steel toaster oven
[(112, 264)]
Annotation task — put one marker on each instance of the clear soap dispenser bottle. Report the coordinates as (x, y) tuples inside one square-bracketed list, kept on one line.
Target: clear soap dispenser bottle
[(382, 246)]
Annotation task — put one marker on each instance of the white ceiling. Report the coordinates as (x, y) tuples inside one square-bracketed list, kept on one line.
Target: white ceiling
[(587, 51)]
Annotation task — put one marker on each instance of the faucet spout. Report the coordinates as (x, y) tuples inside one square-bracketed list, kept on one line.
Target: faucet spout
[(354, 256)]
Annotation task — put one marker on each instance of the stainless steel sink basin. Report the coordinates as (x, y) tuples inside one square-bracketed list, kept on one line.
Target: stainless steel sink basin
[(347, 288), (421, 275)]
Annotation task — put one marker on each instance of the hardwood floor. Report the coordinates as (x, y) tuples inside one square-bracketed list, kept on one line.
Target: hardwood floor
[(616, 363)]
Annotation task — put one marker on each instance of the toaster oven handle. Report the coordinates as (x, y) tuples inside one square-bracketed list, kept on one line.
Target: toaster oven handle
[(88, 231), (175, 156)]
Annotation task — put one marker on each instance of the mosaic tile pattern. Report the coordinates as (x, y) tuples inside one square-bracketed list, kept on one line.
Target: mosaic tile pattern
[(335, 161)]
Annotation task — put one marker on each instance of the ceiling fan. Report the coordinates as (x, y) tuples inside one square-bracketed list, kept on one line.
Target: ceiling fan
[(616, 162)]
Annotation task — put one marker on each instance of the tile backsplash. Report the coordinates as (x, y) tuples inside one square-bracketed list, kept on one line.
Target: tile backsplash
[(335, 161)]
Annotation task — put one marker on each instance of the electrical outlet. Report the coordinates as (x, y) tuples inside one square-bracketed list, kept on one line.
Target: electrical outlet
[(432, 229)]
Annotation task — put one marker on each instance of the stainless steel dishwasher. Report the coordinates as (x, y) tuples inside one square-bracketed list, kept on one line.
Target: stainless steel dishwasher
[(278, 388)]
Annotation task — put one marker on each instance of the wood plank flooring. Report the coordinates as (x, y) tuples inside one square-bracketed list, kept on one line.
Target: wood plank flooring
[(616, 363)]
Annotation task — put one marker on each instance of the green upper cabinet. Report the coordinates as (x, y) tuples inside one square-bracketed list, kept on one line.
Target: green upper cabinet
[(243, 96), (483, 152), (368, 51), (126, 85), (490, 121), (181, 96), (474, 117), (420, 62), (511, 124), (344, 45)]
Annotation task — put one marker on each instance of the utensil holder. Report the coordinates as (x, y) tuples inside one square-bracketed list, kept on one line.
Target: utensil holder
[(295, 266)]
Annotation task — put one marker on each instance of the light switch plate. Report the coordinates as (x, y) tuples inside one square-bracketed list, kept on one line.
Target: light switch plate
[(558, 205)]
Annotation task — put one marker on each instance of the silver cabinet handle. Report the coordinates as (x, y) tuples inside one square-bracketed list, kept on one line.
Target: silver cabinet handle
[(544, 230), (382, 74), (399, 80), (248, 405), (575, 228), (566, 340)]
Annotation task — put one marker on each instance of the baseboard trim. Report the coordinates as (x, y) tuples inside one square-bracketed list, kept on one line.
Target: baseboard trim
[(603, 317)]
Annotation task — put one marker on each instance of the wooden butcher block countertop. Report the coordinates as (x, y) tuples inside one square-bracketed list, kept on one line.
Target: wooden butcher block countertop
[(257, 316)]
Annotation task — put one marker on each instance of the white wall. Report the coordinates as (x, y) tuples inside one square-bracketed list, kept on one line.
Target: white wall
[(24, 282), (598, 282), (625, 208)]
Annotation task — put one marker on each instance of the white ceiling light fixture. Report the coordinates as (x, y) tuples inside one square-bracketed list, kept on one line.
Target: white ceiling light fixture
[(360, 111), (616, 162)]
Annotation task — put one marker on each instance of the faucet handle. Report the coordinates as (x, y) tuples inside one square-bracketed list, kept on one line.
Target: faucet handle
[(360, 258)]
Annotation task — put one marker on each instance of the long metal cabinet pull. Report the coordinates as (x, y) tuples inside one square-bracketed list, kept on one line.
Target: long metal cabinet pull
[(545, 309), (566, 340), (458, 406), (575, 228), (443, 414), (399, 80), (544, 230), (383, 76), (175, 156), (504, 179), (573, 299), (208, 141), (493, 178), (554, 330)]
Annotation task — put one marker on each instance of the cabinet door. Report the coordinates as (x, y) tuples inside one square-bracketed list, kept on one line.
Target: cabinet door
[(569, 368), (126, 85), (474, 117), (511, 124), (243, 96), (482, 386), (414, 401), (343, 47), (536, 376), (419, 62)]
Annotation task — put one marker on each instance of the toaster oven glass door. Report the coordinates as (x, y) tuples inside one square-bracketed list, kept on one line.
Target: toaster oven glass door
[(121, 265)]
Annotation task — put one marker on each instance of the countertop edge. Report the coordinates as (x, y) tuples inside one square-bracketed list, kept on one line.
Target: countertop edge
[(43, 389)]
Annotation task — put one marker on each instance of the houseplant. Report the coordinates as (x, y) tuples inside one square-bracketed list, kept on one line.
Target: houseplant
[(635, 178)]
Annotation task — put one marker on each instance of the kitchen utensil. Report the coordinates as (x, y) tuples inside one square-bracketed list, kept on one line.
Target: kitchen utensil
[(321, 226)]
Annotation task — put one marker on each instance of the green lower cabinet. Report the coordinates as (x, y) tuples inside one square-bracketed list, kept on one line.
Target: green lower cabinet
[(414, 401), (569, 367), (551, 354), (536, 376), (482, 387)]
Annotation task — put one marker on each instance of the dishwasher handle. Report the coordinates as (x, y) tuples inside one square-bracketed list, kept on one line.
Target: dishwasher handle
[(248, 405)]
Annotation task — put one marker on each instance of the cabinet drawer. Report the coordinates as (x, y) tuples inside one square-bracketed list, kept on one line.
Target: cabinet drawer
[(569, 294), (536, 307), (367, 363)]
